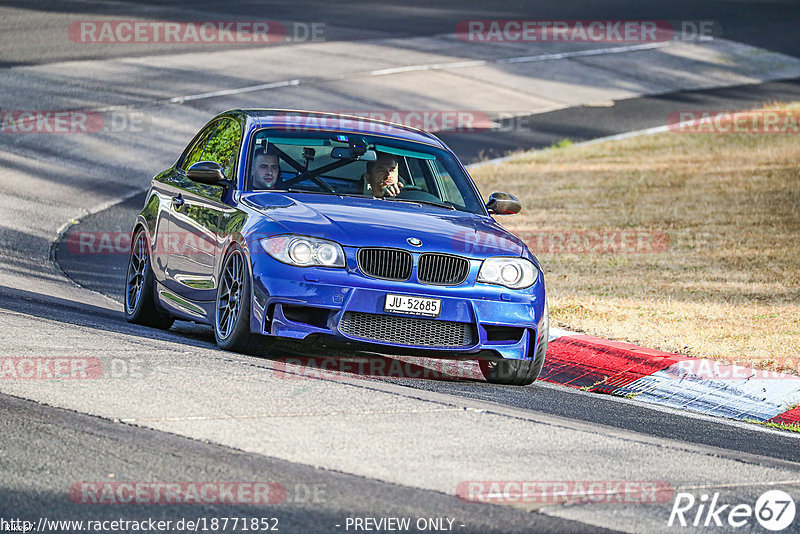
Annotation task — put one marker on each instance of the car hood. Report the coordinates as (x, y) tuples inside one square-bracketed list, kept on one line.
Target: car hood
[(362, 222)]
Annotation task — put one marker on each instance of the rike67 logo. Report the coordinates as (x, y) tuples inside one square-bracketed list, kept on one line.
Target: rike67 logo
[(774, 510)]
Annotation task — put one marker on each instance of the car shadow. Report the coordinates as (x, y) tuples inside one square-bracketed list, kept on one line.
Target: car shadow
[(336, 365), (53, 308)]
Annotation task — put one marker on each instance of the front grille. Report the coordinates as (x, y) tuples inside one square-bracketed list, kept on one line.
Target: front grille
[(407, 330), (385, 263), (442, 269)]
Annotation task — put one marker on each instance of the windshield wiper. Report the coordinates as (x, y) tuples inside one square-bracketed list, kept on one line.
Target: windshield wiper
[(427, 202)]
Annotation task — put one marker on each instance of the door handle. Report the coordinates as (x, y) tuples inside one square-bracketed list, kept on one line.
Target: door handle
[(177, 201)]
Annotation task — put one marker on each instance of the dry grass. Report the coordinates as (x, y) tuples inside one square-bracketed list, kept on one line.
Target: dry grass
[(727, 287)]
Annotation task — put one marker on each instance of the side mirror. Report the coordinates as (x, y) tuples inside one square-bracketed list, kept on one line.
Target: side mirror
[(503, 204), (208, 172)]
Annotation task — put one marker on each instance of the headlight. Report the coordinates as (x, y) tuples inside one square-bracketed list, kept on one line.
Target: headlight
[(304, 251), (514, 273)]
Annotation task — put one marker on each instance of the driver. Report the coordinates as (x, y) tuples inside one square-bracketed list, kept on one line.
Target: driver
[(382, 176), (266, 169)]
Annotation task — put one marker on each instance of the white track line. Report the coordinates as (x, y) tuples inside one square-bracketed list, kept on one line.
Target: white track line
[(240, 90), (522, 59)]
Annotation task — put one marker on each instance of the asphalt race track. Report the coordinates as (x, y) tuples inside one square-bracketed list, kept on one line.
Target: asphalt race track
[(170, 407)]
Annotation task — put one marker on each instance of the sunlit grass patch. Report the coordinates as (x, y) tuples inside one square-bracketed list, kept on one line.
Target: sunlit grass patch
[(725, 286)]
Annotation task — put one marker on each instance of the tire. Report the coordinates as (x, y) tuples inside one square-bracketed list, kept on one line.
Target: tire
[(517, 372), (232, 307), (140, 302), (512, 372)]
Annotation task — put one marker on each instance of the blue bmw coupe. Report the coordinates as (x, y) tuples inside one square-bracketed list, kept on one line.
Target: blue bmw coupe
[(333, 230)]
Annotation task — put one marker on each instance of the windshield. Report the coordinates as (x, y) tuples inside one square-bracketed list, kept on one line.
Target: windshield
[(358, 165)]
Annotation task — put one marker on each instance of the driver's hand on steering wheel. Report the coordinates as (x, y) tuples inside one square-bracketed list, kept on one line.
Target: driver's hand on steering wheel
[(392, 190)]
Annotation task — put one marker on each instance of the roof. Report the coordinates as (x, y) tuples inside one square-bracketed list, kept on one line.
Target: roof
[(299, 120)]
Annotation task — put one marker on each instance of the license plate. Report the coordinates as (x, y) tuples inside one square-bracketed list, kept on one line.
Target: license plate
[(413, 305)]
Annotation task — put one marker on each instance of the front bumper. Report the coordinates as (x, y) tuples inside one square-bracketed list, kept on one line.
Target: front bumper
[(298, 302)]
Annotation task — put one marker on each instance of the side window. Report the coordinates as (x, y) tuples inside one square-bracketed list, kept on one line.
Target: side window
[(195, 153), (449, 189), (223, 145), (417, 173)]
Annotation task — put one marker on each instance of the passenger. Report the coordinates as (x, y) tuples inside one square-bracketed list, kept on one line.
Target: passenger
[(266, 169), (382, 176)]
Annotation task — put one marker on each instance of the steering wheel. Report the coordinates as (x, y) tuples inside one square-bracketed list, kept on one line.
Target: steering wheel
[(413, 192)]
